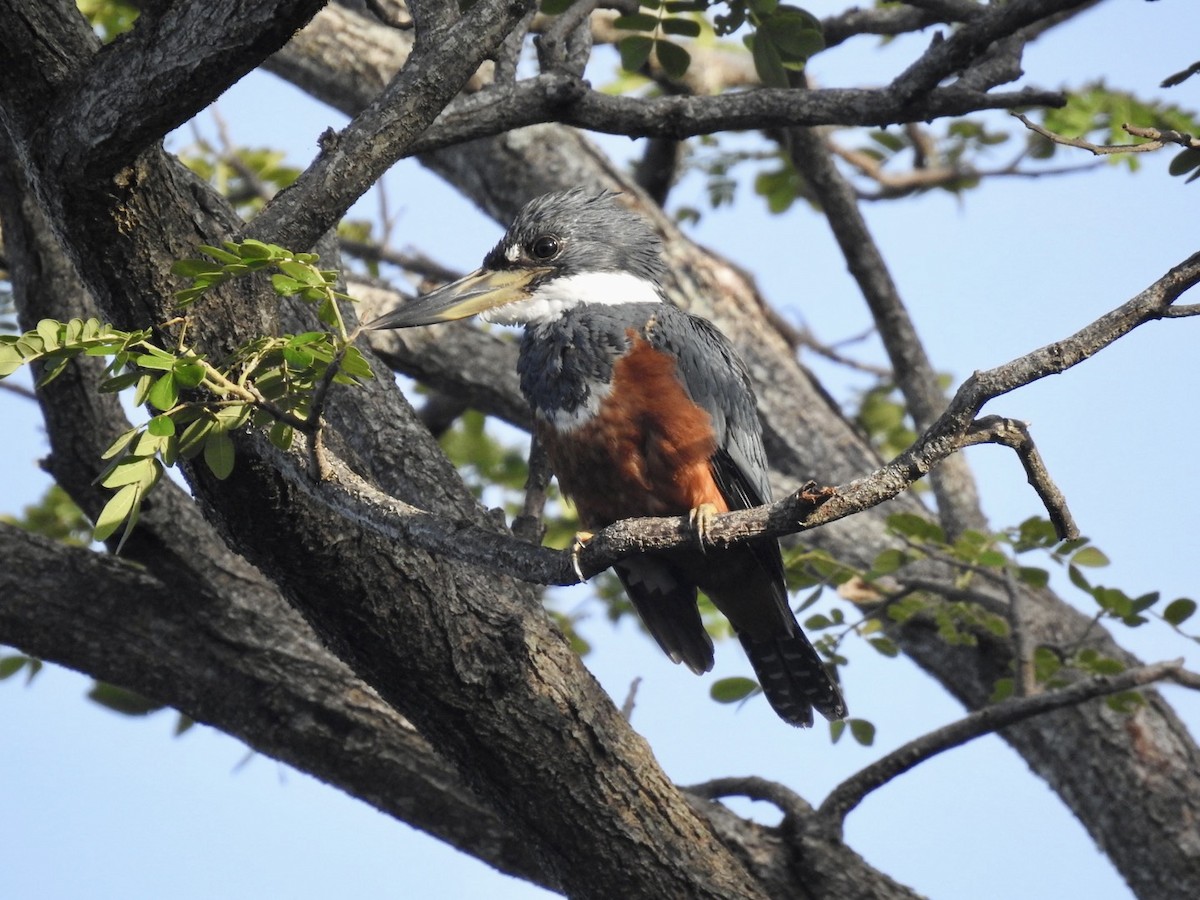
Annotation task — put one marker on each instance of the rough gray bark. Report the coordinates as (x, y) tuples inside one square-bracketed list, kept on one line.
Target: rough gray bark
[(466, 656)]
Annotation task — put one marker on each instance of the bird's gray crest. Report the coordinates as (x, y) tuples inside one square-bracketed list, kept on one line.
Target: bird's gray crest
[(597, 232)]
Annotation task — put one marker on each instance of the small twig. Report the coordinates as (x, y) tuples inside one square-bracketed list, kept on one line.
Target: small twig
[(554, 44), (847, 795), (1181, 77), (753, 787), (417, 263), (528, 525), (19, 389), (1156, 139), (1182, 312), (1024, 676), (1014, 434), (1186, 678), (630, 699)]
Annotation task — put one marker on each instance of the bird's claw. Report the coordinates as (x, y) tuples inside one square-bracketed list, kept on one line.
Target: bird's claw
[(701, 519), (577, 545)]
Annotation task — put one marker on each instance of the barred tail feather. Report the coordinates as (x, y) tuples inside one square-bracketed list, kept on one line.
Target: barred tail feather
[(794, 679)]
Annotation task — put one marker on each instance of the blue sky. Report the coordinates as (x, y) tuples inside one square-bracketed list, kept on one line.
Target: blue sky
[(99, 806)]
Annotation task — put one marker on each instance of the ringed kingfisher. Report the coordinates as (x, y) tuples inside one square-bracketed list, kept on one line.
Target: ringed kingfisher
[(644, 410)]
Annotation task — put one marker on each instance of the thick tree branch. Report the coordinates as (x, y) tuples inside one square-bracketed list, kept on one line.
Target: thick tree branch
[(177, 60), (564, 99), (385, 131), (250, 667)]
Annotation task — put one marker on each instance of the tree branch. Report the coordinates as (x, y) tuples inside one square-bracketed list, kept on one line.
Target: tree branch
[(847, 795), (1156, 139), (953, 484), (385, 131), (177, 60)]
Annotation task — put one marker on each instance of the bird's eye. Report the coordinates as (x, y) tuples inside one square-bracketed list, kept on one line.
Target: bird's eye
[(544, 247)]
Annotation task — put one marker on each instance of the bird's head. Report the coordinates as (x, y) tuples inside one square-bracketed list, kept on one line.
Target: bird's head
[(563, 249)]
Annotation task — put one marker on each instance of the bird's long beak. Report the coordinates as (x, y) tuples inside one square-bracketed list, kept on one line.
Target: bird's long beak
[(482, 290)]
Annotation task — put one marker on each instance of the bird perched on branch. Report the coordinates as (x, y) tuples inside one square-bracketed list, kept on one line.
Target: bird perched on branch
[(644, 410)]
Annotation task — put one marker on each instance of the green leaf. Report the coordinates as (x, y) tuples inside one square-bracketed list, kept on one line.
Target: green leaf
[(191, 268), (302, 273), (10, 359), (218, 454), (1002, 690), (556, 7), (792, 36), (1091, 557), (286, 286), (122, 701), (11, 665), (219, 254), (1184, 162), (836, 730), (165, 392), (1179, 611), (681, 27), (251, 249), (767, 61), (161, 426), (281, 435), (193, 437), (889, 561), (916, 527), (141, 471), (1033, 576), (120, 443), (884, 645), (862, 731), (48, 330), (355, 365), (116, 511), (1078, 580), (636, 22), (53, 368), (188, 374), (818, 621), (993, 559), (142, 390), (635, 50), (763, 8), (673, 58), (733, 690)]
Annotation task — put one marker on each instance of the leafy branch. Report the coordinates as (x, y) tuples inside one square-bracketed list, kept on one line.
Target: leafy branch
[(275, 383)]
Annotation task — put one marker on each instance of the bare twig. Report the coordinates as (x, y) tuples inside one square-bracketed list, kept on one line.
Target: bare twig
[(630, 699), (19, 389), (1181, 77), (1156, 139), (789, 802), (528, 525), (847, 795), (1014, 434)]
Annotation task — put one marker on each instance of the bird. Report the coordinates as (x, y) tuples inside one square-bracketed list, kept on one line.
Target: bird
[(643, 410)]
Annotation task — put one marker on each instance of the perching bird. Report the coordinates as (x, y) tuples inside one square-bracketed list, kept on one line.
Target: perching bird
[(644, 410)]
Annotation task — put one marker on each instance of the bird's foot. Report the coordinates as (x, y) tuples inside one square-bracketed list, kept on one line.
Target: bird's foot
[(577, 545), (701, 519)]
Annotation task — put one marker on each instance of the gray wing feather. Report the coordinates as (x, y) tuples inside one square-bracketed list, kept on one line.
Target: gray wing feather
[(717, 380)]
